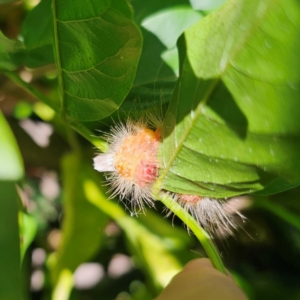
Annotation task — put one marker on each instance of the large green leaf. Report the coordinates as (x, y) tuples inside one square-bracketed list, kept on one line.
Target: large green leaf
[(233, 123), (161, 24), (174, 21), (97, 48)]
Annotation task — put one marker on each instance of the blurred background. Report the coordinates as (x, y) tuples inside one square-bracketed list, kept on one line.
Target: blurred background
[(80, 246)]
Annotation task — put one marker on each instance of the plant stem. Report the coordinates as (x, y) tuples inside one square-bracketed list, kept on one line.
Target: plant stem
[(199, 232), (80, 128)]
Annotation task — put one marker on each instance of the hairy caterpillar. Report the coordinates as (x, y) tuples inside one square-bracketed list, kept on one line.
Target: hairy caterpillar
[(131, 162), (132, 165)]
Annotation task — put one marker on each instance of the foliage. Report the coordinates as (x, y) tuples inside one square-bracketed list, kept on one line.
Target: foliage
[(229, 77)]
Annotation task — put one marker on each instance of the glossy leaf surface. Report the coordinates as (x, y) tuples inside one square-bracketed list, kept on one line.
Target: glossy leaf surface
[(97, 48), (233, 123)]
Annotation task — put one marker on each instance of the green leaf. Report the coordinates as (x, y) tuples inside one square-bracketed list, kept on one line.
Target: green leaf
[(12, 53), (38, 32), (158, 66), (38, 35), (164, 21), (233, 123), (10, 277), (37, 49), (173, 21), (10, 157), (152, 68), (97, 48), (206, 5), (143, 9), (28, 226), (83, 223), (166, 25)]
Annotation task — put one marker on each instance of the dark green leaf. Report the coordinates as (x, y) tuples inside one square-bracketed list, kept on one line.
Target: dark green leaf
[(233, 124), (285, 205), (152, 68), (10, 277), (7, 1), (12, 53), (164, 21), (98, 48), (37, 49), (37, 32)]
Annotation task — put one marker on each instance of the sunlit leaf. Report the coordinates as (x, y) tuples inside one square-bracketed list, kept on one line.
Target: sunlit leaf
[(170, 23), (206, 4), (167, 25), (233, 124), (28, 228), (97, 48), (10, 158), (161, 23)]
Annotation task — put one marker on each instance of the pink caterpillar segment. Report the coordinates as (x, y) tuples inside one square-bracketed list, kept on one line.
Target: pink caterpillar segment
[(136, 158), (192, 199), (212, 214)]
